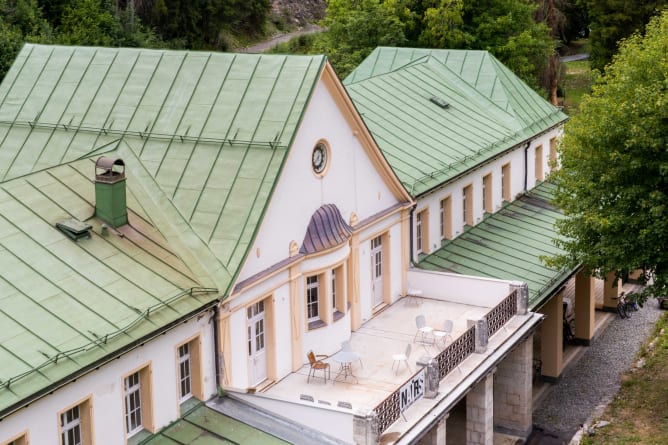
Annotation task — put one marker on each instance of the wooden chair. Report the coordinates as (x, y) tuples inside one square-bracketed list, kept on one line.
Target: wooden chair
[(317, 364)]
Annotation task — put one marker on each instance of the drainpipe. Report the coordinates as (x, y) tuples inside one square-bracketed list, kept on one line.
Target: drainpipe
[(410, 236), (216, 343), (526, 166)]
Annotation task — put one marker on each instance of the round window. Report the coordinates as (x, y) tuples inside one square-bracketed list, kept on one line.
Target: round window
[(319, 158)]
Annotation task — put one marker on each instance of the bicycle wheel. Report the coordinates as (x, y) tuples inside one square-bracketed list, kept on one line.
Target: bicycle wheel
[(621, 310)]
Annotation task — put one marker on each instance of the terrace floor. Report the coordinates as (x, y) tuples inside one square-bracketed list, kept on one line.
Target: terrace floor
[(387, 333)]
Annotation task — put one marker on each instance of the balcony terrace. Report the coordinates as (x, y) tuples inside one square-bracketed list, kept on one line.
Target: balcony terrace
[(376, 387)]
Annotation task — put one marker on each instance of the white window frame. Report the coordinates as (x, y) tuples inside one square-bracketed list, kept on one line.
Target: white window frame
[(71, 424), (133, 415), (185, 373), (312, 290)]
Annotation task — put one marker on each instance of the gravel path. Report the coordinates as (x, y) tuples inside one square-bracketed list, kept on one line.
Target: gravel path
[(595, 378)]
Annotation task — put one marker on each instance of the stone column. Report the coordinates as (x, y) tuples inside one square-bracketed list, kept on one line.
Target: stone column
[(481, 334), (585, 305), (522, 296), (435, 436), (365, 428), (551, 338), (513, 391), (611, 288), (432, 379), (480, 412)]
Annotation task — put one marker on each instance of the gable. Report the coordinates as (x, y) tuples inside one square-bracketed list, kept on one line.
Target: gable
[(358, 180)]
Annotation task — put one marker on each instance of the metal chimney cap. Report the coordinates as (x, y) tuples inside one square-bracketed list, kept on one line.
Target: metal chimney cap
[(109, 169)]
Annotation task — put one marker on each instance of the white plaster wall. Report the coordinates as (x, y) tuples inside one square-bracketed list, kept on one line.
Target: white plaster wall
[(463, 289), (325, 340), (333, 421), (351, 182), (105, 387), (455, 188)]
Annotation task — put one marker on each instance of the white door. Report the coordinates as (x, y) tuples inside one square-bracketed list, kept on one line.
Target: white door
[(257, 352), (377, 270)]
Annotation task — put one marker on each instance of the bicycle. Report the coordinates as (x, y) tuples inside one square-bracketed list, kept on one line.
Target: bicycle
[(568, 334), (627, 303)]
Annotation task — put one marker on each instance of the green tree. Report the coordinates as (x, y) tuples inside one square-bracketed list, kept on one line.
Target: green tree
[(20, 21), (613, 181), (612, 20), (354, 29), (89, 22), (443, 26), (507, 29)]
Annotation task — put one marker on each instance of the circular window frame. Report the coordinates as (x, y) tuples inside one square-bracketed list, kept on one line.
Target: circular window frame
[(327, 152)]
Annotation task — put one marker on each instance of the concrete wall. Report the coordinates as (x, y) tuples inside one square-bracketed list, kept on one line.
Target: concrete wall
[(476, 291), (331, 420)]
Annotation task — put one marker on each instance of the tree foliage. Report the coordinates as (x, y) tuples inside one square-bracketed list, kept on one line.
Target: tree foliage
[(506, 28), (355, 28), (613, 20), (613, 182)]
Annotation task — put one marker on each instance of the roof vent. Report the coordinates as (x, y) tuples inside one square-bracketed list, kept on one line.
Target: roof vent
[(110, 203), (75, 229), (440, 102)]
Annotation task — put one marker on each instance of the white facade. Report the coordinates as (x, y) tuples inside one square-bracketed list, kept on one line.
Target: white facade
[(361, 193), (519, 169), (103, 388)]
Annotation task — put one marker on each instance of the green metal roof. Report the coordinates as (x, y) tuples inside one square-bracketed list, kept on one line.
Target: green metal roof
[(508, 245), (203, 137), (205, 426), (489, 110)]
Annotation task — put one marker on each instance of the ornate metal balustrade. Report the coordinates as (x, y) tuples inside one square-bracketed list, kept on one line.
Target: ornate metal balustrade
[(389, 410), (456, 352), (503, 312)]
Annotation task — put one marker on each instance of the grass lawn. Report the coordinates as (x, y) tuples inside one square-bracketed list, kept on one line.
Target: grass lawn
[(575, 84), (639, 412)]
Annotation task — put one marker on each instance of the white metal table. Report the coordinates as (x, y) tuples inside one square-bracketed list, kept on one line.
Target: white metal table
[(346, 359)]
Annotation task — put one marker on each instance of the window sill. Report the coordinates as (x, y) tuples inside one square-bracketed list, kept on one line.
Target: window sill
[(338, 315), (316, 324), (138, 437)]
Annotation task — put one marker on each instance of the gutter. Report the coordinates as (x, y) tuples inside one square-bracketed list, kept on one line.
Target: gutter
[(487, 161), (94, 366)]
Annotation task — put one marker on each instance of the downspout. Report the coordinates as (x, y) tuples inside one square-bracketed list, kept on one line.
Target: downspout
[(526, 166), (216, 343), (410, 235)]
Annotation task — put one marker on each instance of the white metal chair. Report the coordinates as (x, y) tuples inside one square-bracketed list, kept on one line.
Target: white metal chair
[(445, 333), (423, 330), (398, 358)]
